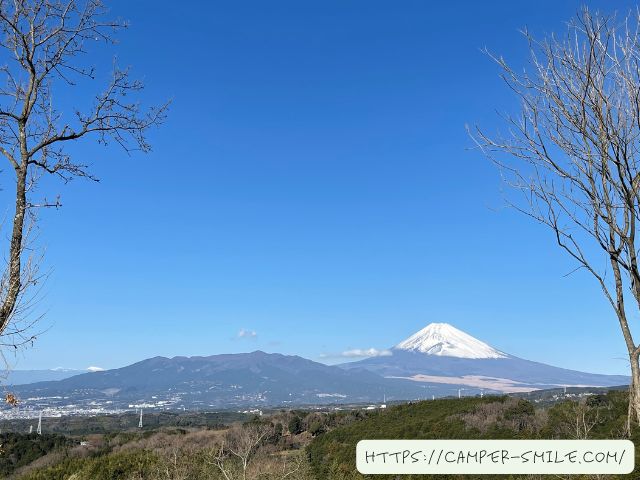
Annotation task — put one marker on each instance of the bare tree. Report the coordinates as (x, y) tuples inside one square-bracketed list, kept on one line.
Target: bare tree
[(43, 43), (291, 468), (573, 151), (175, 466), (240, 445), (578, 418)]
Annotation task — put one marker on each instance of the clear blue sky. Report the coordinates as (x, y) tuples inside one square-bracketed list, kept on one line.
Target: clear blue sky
[(313, 184)]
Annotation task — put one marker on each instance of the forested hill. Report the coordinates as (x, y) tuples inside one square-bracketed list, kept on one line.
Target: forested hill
[(332, 455)]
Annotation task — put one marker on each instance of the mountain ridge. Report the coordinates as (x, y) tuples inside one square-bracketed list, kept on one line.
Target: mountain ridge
[(223, 381), (439, 360), (441, 353)]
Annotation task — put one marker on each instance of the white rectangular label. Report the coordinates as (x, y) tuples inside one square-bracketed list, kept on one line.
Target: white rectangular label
[(495, 456)]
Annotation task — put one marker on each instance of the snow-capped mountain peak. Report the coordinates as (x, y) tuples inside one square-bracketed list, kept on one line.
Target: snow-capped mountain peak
[(445, 340)]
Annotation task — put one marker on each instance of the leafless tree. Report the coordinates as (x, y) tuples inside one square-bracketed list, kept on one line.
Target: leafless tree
[(239, 446), (586, 418), (573, 151), (45, 43), (291, 468), (578, 418)]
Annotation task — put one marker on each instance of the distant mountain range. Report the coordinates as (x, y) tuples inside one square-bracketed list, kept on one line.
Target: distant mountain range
[(20, 377), (440, 353), (439, 360), (220, 381)]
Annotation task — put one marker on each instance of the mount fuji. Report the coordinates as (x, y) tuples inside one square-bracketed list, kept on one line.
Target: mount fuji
[(445, 340), (443, 354)]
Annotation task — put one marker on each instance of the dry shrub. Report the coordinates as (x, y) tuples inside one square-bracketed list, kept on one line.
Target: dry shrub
[(513, 414), (45, 461), (163, 442)]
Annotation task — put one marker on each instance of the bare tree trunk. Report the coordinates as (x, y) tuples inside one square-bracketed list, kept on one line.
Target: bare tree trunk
[(15, 255), (14, 281), (634, 386), (634, 393)]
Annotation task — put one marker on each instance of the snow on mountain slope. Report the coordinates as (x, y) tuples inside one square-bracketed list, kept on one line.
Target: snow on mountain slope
[(445, 340)]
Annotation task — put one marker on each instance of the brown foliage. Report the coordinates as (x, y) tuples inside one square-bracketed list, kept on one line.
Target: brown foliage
[(507, 414)]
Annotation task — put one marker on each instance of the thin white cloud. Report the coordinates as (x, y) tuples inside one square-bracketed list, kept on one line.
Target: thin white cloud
[(369, 352), (95, 369), (359, 353), (245, 333)]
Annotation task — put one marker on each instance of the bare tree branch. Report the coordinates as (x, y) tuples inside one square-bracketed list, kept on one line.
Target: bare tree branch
[(573, 152), (43, 43)]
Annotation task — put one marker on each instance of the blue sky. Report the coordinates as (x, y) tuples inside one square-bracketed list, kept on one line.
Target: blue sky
[(313, 184)]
